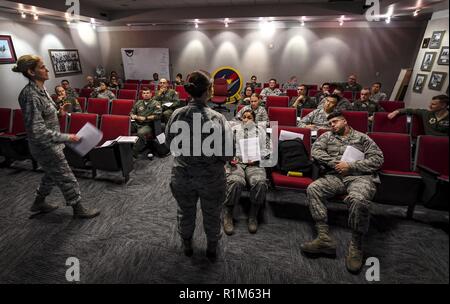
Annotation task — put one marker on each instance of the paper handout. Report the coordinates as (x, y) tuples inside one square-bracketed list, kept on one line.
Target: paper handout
[(352, 154), (287, 135), (161, 138), (168, 104), (90, 137), (127, 139), (250, 150)]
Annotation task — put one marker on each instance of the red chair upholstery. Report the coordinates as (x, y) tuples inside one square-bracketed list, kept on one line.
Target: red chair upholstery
[(82, 101), (285, 116), (348, 95), (357, 96), (277, 101), (321, 131), (305, 112), (220, 94), (390, 106), (381, 123), (399, 184), (78, 120), (239, 107), (357, 120), (312, 93), (63, 122), (258, 90), (182, 94), (417, 126), (86, 92), (266, 85), (146, 82), (312, 87), (121, 106), (432, 160), (280, 180), (114, 126), (130, 86), (291, 93), (18, 125), (98, 106), (127, 94), (132, 81), (5, 119)]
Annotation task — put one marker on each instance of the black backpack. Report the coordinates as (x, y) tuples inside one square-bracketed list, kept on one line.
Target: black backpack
[(293, 156)]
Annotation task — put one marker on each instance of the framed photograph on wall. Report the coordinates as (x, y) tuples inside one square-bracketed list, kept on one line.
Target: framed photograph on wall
[(419, 83), (427, 62), (425, 43), (65, 62), (437, 80), (436, 39), (7, 53), (443, 56)]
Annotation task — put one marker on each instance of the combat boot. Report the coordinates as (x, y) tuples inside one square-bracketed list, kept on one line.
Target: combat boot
[(253, 218), (323, 244), (187, 247), (40, 205), (354, 258), (228, 226), (79, 211), (211, 251)]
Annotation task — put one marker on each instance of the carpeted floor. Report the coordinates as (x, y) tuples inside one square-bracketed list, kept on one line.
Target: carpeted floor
[(135, 239)]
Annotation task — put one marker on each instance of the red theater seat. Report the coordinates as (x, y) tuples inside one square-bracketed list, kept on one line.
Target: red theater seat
[(277, 101), (284, 116), (86, 92), (98, 106), (220, 94), (390, 106), (127, 94), (348, 95), (135, 81), (381, 123), (291, 93), (82, 101), (305, 112), (121, 106), (130, 86), (5, 119), (357, 120)]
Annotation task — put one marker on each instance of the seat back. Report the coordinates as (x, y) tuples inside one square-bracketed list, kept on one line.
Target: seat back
[(82, 101), (135, 81), (291, 93), (127, 94), (63, 122), (432, 152), (18, 124), (312, 87), (312, 93), (78, 120), (306, 135), (5, 119), (266, 85), (239, 107), (113, 126), (390, 106), (182, 94), (348, 95), (98, 106), (130, 86), (121, 106), (277, 101), (285, 116), (396, 149), (305, 112), (221, 90), (145, 82), (357, 120), (321, 131), (258, 90), (417, 126), (86, 92), (381, 123)]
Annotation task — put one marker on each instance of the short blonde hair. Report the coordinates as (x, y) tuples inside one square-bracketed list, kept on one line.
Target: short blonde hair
[(25, 63)]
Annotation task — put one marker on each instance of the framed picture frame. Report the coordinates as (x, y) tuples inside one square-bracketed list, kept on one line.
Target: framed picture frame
[(65, 62), (436, 39), (443, 56), (7, 52), (427, 61), (437, 79), (425, 43), (419, 83)]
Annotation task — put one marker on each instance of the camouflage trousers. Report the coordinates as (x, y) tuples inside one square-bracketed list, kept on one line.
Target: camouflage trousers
[(187, 190), (57, 172), (143, 132), (360, 190), (238, 177)]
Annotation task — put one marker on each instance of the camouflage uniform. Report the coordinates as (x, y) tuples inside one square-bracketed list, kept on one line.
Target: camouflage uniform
[(169, 96), (47, 143), (370, 106), (244, 101), (431, 124), (317, 117), (269, 92), (73, 102), (290, 86), (380, 96), (144, 108), (241, 174), (308, 103), (195, 177), (353, 88), (71, 93), (105, 94), (343, 105), (260, 113), (359, 183)]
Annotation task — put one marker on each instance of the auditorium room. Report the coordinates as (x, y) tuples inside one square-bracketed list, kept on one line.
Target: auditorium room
[(224, 142)]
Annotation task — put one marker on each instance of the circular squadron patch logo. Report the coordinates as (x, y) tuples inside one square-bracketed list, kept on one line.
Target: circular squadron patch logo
[(234, 82)]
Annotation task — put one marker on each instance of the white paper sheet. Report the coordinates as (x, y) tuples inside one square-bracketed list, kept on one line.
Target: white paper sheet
[(127, 139), (250, 150), (90, 137), (352, 154), (168, 104), (108, 143), (161, 138), (269, 130), (287, 135), (313, 133)]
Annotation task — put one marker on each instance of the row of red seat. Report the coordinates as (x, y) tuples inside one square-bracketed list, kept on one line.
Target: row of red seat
[(401, 178), (133, 94)]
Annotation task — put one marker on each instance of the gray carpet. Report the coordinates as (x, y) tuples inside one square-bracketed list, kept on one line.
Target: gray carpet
[(135, 239)]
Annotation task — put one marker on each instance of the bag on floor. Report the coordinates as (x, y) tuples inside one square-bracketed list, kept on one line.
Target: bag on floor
[(293, 156)]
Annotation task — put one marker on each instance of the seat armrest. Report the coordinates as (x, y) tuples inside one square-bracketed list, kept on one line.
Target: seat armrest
[(426, 169)]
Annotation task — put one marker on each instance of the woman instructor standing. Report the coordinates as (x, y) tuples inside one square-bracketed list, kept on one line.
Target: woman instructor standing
[(198, 170), (45, 140)]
